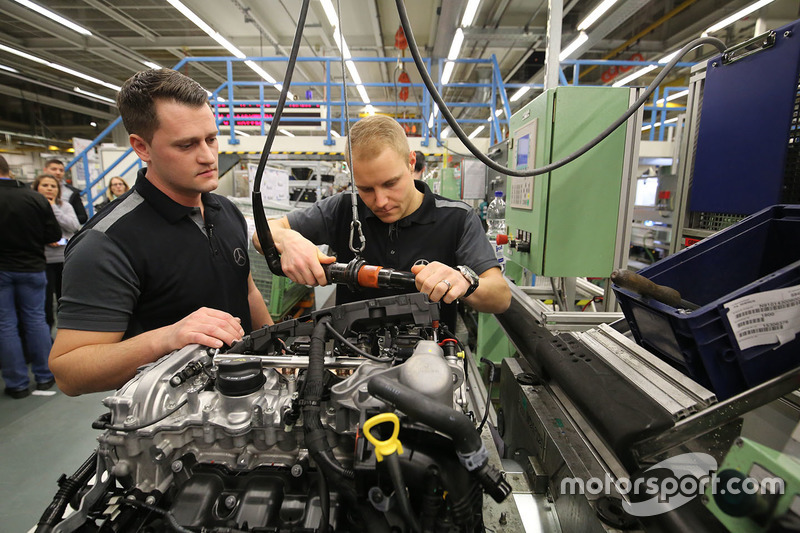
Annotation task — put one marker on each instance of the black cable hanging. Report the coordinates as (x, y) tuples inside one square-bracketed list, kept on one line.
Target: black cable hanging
[(262, 226), (412, 46)]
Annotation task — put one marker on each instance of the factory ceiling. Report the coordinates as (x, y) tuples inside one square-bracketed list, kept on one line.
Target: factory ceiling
[(58, 83)]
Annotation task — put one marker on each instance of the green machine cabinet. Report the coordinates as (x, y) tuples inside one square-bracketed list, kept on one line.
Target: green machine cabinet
[(451, 183), (756, 489), (572, 221), (492, 342)]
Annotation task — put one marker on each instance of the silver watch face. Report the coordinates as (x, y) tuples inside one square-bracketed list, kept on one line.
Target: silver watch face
[(468, 273)]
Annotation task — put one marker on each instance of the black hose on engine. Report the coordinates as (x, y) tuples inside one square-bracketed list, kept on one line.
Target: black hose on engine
[(469, 446), (68, 488), (316, 438)]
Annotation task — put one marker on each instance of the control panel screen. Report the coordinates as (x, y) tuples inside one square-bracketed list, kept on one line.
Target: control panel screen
[(523, 150)]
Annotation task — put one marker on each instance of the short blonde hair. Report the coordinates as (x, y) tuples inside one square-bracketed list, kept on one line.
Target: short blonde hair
[(370, 136)]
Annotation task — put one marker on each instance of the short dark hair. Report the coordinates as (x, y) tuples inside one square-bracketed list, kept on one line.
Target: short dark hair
[(420, 164), (53, 161), (5, 170), (136, 100)]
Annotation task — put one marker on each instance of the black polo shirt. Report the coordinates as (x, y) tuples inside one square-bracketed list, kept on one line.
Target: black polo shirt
[(146, 262), (441, 230)]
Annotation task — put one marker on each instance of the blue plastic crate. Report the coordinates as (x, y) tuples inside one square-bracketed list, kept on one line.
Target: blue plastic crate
[(758, 254)]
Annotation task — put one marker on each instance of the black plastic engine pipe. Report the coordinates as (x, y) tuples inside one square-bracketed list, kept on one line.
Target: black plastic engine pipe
[(68, 488), (448, 421), (316, 438)]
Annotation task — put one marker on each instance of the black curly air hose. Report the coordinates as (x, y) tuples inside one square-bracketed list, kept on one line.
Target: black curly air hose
[(68, 488)]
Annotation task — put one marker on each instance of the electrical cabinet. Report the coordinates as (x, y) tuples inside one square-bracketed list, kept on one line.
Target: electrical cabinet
[(568, 222)]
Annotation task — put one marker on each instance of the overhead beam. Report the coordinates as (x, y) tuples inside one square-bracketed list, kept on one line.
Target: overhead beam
[(55, 102), (113, 13)]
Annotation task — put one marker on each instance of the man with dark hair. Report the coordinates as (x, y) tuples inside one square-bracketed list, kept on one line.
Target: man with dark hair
[(419, 165), (406, 227), (55, 167), (174, 268), (28, 225)]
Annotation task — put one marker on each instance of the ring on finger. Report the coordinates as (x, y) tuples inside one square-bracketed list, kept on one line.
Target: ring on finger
[(449, 285)]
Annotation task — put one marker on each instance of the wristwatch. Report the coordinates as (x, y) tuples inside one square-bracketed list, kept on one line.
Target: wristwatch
[(471, 276)]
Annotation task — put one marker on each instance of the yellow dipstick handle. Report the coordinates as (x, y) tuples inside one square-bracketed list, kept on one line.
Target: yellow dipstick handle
[(388, 446)]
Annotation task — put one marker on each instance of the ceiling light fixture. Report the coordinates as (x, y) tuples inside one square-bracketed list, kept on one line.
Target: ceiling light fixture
[(94, 95), (638, 74), (152, 65), (496, 114), (455, 47), (243, 134), (286, 132), (470, 12), (673, 96), (55, 17), (222, 41), (26, 55), (448, 72), (571, 47), (433, 116), (596, 13), (519, 94), (657, 124), (9, 69), (476, 132), (736, 16), (330, 12), (335, 133), (58, 67), (446, 132)]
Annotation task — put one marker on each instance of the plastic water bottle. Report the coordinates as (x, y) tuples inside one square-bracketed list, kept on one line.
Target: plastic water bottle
[(496, 224)]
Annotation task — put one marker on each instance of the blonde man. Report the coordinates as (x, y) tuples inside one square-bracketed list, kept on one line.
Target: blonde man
[(405, 225)]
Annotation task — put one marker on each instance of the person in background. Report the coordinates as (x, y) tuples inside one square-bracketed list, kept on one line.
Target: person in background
[(405, 225), (165, 266), (116, 188), (50, 188), (27, 224), (419, 165), (70, 194)]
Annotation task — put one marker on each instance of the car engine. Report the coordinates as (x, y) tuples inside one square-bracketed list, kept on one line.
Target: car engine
[(355, 418)]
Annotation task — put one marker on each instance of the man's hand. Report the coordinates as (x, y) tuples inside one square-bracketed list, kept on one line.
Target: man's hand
[(301, 260), (90, 361), (440, 282), (206, 326)]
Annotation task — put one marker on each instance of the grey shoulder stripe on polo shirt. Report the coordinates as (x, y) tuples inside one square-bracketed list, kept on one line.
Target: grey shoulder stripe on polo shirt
[(442, 202), (128, 204)]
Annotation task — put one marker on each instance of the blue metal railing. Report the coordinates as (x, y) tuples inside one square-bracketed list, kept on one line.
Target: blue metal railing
[(428, 122)]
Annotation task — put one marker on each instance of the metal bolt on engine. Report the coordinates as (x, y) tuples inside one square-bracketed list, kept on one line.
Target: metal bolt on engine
[(177, 466), (230, 501), (297, 470), (150, 500)]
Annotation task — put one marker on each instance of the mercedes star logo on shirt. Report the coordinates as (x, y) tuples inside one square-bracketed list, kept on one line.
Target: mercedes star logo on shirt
[(239, 256)]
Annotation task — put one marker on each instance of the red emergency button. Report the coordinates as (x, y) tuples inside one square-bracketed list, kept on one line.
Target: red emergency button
[(502, 239)]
